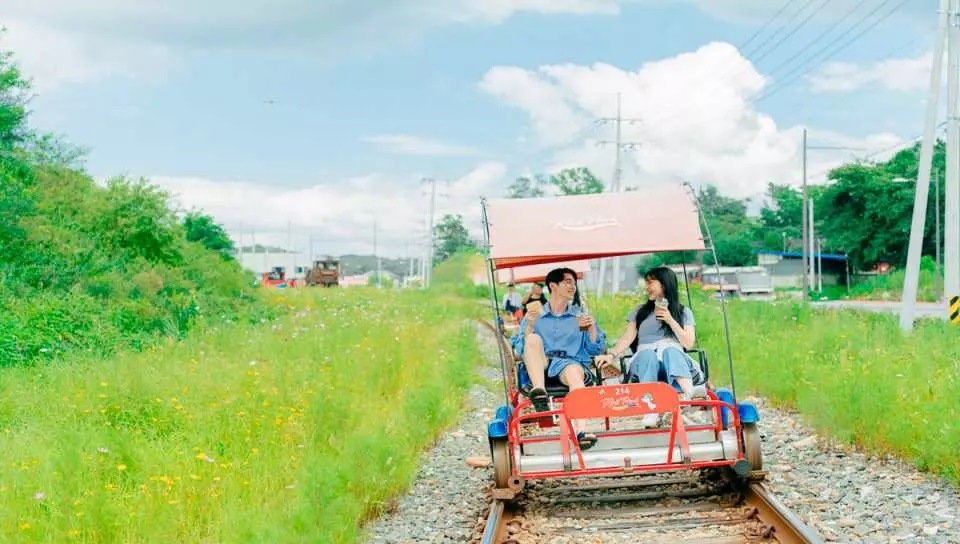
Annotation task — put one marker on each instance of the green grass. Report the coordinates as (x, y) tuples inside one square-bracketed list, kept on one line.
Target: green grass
[(291, 431), (852, 375), (890, 286), (455, 276)]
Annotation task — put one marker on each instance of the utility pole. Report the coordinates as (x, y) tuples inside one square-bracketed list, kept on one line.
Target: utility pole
[(292, 261), (807, 253), (937, 280), (240, 245), (615, 187), (947, 21), (813, 248), (428, 266), (819, 265), (375, 252), (431, 239), (806, 221), (951, 255)]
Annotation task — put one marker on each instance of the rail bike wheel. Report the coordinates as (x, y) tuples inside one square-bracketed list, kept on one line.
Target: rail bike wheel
[(751, 444), (500, 455)]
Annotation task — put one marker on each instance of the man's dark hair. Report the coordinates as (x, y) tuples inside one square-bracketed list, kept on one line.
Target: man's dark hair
[(557, 275)]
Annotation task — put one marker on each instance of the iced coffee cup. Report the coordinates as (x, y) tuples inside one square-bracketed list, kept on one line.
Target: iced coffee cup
[(582, 316)]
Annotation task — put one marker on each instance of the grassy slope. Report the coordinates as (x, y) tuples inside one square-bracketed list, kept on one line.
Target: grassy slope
[(853, 375), (87, 268), (283, 433)]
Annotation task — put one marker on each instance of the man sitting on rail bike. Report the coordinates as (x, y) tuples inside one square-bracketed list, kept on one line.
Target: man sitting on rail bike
[(558, 340), (661, 329)]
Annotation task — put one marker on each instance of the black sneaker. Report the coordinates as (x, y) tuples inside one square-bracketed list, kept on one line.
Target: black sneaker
[(540, 399)]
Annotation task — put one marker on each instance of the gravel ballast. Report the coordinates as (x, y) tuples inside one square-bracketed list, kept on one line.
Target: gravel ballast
[(842, 494), (849, 497)]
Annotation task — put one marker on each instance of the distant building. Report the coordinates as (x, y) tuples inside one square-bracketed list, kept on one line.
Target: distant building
[(293, 263), (370, 278), (786, 268), (629, 279)]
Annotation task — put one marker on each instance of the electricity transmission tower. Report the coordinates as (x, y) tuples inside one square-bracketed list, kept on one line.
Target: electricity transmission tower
[(615, 186)]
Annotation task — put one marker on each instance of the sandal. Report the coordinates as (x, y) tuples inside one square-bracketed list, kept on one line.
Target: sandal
[(586, 440), (540, 399)]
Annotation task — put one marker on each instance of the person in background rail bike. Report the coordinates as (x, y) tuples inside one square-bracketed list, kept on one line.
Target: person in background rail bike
[(535, 294), (662, 329), (511, 301), (559, 340)]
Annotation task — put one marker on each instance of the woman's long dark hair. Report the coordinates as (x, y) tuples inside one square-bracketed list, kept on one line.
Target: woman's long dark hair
[(668, 280)]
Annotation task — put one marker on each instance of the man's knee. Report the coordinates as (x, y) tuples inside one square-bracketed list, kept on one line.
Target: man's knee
[(573, 376), (533, 340)]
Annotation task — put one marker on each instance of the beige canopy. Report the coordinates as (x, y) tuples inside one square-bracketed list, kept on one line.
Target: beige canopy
[(538, 272), (533, 231)]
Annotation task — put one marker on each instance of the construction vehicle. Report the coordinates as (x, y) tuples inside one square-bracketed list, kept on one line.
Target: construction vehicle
[(324, 272), (277, 277)]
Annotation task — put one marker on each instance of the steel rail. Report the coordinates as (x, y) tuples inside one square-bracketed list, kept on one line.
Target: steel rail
[(788, 528), (494, 525)]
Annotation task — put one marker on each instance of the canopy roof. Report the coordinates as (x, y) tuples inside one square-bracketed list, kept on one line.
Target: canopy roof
[(530, 231), (538, 272)]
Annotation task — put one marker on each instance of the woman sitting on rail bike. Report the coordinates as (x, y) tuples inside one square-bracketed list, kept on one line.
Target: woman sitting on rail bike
[(662, 329)]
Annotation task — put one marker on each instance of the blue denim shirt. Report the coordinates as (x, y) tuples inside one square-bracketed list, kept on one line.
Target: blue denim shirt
[(560, 332)]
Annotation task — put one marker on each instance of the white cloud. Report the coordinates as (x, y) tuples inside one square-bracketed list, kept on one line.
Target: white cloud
[(78, 41), (340, 216), (697, 123), (406, 144), (84, 40), (52, 57), (909, 74)]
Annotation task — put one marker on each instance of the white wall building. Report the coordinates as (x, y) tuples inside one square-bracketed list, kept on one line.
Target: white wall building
[(294, 263)]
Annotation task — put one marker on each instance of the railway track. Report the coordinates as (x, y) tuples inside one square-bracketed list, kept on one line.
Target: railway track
[(695, 508), (659, 508)]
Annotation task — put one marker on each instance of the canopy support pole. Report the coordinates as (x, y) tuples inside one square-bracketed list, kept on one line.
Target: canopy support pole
[(723, 296), (494, 305)]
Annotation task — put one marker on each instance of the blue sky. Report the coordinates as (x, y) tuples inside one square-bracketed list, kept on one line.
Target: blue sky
[(333, 112)]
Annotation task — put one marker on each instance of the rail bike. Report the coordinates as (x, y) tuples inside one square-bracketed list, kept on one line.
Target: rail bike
[(532, 236)]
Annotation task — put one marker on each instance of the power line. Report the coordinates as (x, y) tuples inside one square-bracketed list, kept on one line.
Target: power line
[(792, 76), (775, 89), (775, 16), (792, 32), (819, 37), (785, 25)]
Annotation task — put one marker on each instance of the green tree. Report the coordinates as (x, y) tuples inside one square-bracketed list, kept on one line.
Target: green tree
[(781, 217), (451, 237), (731, 228), (527, 187), (867, 209), (13, 99), (866, 215), (202, 228), (16, 176), (576, 181)]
